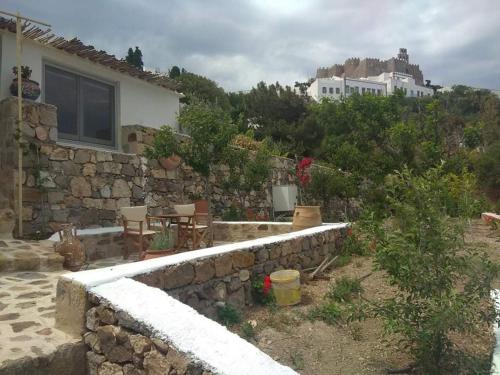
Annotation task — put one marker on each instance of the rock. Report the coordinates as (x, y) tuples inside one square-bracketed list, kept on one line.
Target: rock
[(92, 203), (7, 222), (128, 170), (41, 133), (178, 361), (204, 271), (220, 291), (223, 265), (93, 362), (275, 252), (243, 259), (107, 337), (161, 346), (244, 275), (105, 191), (55, 197), (108, 368), (237, 298), (80, 187), (106, 316), (59, 154), (158, 173), (156, 364), (53, 134), (103, 156), (177, 276), (92, 322), (121, 189), (140, 344), (130, 369), (48, 116), (82, 156), (70, 168), (89, 169), (92, 340), (122, 202)]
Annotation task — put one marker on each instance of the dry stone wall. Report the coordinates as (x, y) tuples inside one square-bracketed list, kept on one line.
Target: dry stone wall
[(120, 345), (86, 186), (227, 278)]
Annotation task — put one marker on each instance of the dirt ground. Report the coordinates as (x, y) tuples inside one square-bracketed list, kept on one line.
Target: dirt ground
[(313, 347)]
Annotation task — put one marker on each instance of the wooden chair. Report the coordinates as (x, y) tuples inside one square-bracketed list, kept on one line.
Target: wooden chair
[(194, 227), (137, 224)]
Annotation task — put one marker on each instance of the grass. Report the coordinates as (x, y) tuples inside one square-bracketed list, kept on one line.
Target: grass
[(247, 330), (297, 360), (330, 313), (343, 260), (228, 315), (345, 289)]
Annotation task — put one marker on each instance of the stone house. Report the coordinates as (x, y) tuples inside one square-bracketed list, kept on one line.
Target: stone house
[(96, 93)]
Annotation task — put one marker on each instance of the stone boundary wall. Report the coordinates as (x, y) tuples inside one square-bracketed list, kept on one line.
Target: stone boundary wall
[(87, 186), (203, 278), (136, 329)]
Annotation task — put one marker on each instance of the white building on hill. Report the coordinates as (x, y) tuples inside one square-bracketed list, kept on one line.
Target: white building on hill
[(383, 84)]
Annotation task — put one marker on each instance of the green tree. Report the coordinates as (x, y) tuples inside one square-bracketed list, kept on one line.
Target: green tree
[(134, 57), (441, 284), (248, 170), (198, 88), (174, 72)]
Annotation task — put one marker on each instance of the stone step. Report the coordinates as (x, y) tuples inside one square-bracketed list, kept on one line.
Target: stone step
[(19, 255)]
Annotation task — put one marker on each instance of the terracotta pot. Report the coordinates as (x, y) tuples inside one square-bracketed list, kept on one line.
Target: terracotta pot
[(151, 254), (170, 163), (29, 89), (306, 217), (70, 248), (201, 206)]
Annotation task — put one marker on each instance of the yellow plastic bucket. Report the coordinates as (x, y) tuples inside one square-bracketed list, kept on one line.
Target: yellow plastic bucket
[(286, 287)]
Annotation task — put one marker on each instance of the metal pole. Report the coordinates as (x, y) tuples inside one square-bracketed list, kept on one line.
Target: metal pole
[(19, 126)]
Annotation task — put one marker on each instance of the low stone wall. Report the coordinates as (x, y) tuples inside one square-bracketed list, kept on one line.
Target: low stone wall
[(136, 329), (202, 278)]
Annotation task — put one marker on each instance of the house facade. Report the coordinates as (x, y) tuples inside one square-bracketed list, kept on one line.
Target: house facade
[(95, 93), (384, 84)]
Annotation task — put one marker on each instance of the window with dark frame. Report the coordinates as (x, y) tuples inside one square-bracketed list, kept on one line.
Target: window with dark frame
[(85, 107)]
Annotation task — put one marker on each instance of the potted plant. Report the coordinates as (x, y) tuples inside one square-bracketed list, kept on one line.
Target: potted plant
[(161, 245), (200, 203), (305, 216), (164, 149), (29, 89)]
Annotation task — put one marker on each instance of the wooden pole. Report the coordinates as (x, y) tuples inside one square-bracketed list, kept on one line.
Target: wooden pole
[(19, 39), (19, 126)]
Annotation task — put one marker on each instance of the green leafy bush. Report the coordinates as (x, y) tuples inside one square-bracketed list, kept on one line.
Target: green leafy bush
[(442, 285), (228, 315), (260, 295), (344, 289), (247, 330), (330, 313)]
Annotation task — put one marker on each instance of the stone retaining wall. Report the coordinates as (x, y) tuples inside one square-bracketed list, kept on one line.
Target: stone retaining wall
[(227, 231), (87, 186), (135, 329), (206, 277), (116, 346)]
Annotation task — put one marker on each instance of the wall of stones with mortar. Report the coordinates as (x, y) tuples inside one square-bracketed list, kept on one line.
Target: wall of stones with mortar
[(117, 347), (87, 186), (227, 278)]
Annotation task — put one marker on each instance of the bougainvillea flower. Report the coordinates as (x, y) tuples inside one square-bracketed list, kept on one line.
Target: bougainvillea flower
[(267, 285)]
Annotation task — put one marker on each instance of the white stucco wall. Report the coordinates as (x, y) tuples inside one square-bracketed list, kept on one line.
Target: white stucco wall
[(138, 102)]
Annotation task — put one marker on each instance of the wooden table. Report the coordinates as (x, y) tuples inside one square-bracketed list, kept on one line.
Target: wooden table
[(182, 225)]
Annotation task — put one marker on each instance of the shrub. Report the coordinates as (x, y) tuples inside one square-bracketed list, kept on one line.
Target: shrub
[(161, 241), (329, 312), (228, 315), (345, 289), (247, 330), (343, 260), (442, 285)]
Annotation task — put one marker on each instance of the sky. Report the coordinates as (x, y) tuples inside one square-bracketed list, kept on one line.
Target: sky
[(238, 43)]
